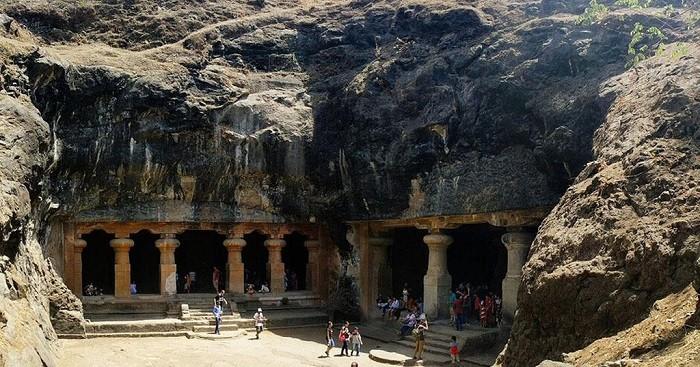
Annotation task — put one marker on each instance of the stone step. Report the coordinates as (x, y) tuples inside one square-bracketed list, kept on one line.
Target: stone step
[(143, 334), (211, 328)]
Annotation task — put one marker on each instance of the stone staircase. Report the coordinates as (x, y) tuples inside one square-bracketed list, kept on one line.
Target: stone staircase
[(478, 346), (191, 315)]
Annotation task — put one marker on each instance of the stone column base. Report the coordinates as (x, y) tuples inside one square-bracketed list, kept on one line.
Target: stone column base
[(436, 293)]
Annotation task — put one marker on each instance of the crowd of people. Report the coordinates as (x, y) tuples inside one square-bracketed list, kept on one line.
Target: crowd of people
[(469, 303)]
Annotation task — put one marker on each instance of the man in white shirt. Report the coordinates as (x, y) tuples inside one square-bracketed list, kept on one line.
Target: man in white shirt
[(259, 322)]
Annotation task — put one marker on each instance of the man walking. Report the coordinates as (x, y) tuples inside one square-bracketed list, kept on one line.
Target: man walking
[(259, 322)]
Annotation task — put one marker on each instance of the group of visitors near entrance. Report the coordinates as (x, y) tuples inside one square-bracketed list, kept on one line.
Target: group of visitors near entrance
[(414, 322), (219, 302), (469, 303), (346, 338)]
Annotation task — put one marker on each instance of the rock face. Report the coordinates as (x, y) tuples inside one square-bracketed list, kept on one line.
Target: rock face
[(380, 109), (341, 110), (627, 232), (32, 295)]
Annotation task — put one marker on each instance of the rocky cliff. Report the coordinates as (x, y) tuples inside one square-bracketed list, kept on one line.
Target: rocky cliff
[(627, 232), (32, 296), (232, 111)]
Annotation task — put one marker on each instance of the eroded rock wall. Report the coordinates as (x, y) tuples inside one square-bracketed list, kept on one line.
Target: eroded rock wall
[(627, 232), (32, 295)]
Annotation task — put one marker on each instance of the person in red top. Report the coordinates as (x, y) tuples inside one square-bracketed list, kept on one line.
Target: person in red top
[(458, 308), (489, 309)]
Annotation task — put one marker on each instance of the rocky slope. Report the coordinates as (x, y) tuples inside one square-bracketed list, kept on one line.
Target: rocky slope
[(627, 232), (359, 109)]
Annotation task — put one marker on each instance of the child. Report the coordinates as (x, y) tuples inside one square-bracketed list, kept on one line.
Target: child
[(356, 340), (454, 350), (217, 316)]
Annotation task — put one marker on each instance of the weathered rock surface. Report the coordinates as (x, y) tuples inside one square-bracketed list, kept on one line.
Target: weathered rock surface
[(376, 109), (627, 232), (225, 111), (32, 295)]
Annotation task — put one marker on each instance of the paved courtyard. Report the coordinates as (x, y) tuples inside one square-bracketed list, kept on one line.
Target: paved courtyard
[(277, 348)]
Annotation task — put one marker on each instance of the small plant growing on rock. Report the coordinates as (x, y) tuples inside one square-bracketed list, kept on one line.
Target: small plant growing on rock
[(593, 13), (644, 43)]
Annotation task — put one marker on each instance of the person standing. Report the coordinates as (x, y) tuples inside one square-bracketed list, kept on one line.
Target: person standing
[(419, 333), (188, 283), (356, 341), (330, 343), (404, 293), (454, 350), (259, 322), (451, 303), (216, 278), (343, 337), (458, 308), (217, 318)]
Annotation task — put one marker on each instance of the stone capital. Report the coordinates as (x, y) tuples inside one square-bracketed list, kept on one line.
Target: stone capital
[(275, 244), (121, 244), (516, 240), (79, 245), (234, 244), (167, 243), (437, 240)]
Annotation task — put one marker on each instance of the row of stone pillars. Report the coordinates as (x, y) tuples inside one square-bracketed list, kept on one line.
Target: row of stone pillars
[(437, 280), (167, 245)]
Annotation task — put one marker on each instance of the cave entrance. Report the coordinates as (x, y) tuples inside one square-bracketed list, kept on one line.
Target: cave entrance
[(145, 263), (409, 261), (98, 261), (295, 258), (254, 256), (199, 253), (477, 257)]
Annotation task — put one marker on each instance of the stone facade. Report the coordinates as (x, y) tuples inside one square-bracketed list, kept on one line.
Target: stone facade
[(168, 243)]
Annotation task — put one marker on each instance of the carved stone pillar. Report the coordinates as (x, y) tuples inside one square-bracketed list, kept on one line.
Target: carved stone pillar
[(122, 267), (380, 271), (274, 248), (78, 247), (313, 268), (437, 281), (168, 268), (234, 267), (518, 245)]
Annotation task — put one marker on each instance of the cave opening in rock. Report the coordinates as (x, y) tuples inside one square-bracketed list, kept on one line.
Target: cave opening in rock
[(409, 261), (98, 261), (254, 256), (199, 252), (145, 262), (477, 257), (295, 258)]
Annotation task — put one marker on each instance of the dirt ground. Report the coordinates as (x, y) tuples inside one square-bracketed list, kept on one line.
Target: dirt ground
[(277, 348)]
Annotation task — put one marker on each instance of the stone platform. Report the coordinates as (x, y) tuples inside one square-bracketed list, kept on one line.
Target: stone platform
[(152, 315)]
